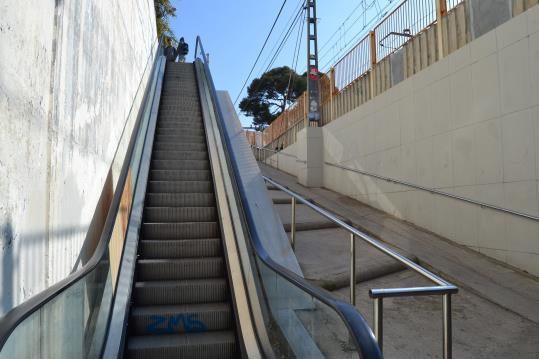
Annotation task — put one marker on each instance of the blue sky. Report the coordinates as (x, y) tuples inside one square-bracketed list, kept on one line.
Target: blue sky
[(233, 32)]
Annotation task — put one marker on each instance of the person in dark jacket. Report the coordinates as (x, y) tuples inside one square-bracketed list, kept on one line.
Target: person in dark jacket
[(183, 50), (170, 51)]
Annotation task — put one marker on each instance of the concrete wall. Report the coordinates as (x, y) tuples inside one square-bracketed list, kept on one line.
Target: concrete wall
[(285, 160), (69, 71), (467, 125)]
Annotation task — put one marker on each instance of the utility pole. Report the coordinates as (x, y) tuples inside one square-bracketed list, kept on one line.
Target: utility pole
[(313, 80)]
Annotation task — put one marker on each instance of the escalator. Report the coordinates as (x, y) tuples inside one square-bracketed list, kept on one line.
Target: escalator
[(181, 298), (192, 262)]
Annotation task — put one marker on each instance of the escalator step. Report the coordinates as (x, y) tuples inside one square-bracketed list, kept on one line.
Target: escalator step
[(163, 146), (185, 248), (184, 268), (186, 230), (180, 175), (180, 187), (181, 131), (180, 155), (181, 291), (186, 318), (180, 199), (189, 123), (208, 345), (180, 214), (180, 138), (180, 165)]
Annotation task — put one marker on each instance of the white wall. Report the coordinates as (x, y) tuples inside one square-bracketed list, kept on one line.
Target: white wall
[(69, 71), (285, 160), (467, 125)]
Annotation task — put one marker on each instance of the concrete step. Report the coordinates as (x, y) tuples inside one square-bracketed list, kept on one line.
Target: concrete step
[(186, 230), (185, 291), (175, 319), (180, 175), (168, 146), (180, 214), (180, 155), (208, 345), (180, 187), (185, 248), (180, 165), (309, 226), (183, 268)]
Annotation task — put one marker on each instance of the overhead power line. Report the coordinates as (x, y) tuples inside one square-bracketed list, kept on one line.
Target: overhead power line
[(262, 49)]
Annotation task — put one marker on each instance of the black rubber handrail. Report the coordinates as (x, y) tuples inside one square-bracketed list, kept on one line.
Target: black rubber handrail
[(361, 333), (18, 314)]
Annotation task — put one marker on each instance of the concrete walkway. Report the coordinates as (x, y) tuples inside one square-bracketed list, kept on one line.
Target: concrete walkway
[(496, 313)]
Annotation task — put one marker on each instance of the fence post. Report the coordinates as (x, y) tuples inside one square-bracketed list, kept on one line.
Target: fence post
[(372, 36), (331, 93), (441, 12)]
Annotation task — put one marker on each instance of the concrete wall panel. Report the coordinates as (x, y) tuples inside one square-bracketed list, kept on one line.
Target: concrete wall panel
[(69, 72), (467, 125)]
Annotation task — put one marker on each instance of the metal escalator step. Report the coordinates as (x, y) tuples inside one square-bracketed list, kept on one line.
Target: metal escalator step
[(168, 146), (180, 214), (183, 268), (186, 318), (180, 165), (181, 291), (181, 131), (165, 124), (180, 138), (180, 155), (207, 345), (180, 175), (202, 247), (185, 230), (180, 199), (180, 187)]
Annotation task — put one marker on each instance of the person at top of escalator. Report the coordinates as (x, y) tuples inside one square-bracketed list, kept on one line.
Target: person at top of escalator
[(170, 51), (183, 50)]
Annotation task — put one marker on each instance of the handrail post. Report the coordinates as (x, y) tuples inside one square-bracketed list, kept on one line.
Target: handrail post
[(448, 340), (379, 321), (353, 269), (293, 225)]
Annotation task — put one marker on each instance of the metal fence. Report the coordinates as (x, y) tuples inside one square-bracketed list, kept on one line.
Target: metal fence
[(402, 27), (354, 64), (407, 20)]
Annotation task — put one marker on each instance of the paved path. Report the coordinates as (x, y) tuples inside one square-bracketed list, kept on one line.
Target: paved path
[(495, 313)]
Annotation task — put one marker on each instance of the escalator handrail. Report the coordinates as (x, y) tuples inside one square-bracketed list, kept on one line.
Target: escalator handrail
[(14, 317), (358, 327)]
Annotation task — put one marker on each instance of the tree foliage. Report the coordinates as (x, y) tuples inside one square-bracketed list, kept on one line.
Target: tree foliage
[(163, 11), (268, 96)]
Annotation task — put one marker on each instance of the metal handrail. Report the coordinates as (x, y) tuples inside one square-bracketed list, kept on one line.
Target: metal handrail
[(435, 191), (443, 287), (361, 335), (416, 186), (18, 314)]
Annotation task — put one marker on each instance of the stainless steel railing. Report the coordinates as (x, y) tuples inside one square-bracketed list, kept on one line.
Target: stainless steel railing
[(263, 156), (443, 287)]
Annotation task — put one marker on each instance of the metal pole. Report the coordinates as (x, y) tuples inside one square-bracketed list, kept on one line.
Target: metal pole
[(352, 269), (293, 224), (448, 340), (379, 321)]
